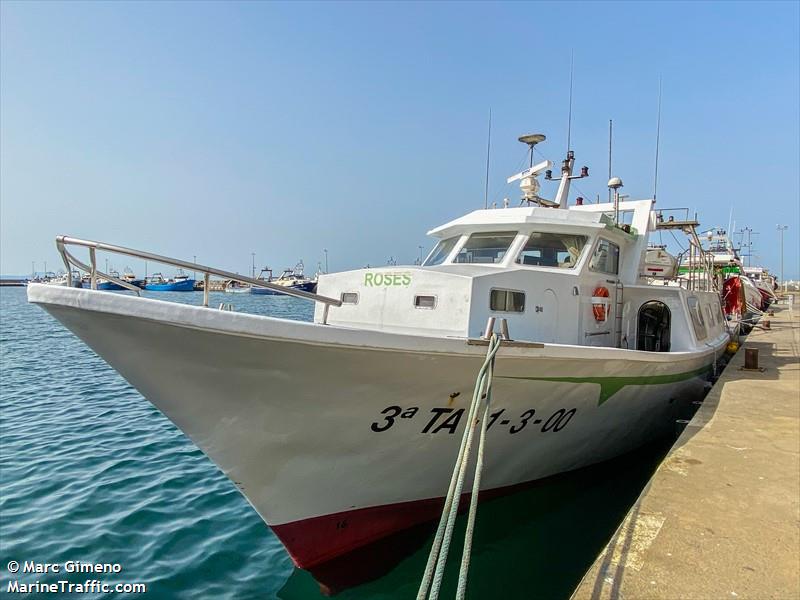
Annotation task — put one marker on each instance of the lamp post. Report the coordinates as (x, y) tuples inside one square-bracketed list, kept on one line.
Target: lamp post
[(781, 229), (325, 250), (253, 254), (194, 273)]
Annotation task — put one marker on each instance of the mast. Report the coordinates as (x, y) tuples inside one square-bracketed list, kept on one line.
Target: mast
[(562, 195)]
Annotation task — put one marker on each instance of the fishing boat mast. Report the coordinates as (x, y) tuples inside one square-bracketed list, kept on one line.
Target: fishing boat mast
[(530, 185)]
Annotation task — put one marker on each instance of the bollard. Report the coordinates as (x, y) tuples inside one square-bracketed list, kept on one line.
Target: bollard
[(504, 330), (489, 328), (767, 324), (751, 359)]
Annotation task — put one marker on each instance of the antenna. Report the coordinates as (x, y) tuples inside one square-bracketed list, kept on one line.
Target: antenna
[(610, 131), (569, 118), (527, 178), (488, 150), (531, 140), (730, 220), (658, 137)]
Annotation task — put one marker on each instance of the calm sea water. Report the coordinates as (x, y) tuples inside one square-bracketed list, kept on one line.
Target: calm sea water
[(90, 471)]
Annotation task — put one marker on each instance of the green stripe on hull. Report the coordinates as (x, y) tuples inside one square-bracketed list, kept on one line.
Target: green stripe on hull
[(611, 385), (727, 270)]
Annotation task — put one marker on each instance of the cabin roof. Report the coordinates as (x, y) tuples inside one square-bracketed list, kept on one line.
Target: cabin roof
[(479, 220)]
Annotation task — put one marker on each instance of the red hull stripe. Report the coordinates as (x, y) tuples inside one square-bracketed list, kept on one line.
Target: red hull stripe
[(317, 540), (312, 542)]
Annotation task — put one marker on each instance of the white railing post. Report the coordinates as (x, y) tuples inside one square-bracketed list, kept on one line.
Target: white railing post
[(67, 264), (93, 264)]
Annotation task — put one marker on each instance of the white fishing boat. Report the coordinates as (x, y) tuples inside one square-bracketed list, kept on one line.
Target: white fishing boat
[(290, 278), (344, 430), (60, 279), (235, 287), (763, 280)]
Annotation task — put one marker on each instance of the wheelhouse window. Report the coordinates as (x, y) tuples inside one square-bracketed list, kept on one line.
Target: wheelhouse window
[(697, 318), (486, 248), (712, 320), (605, 258), (441, 252), (507, 301), (560, 250)]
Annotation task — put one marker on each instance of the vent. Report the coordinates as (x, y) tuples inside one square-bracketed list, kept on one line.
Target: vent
[(425, 302), (349, 297)]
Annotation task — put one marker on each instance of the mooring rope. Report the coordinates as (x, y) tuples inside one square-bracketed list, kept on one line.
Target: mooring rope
[(434, 569)]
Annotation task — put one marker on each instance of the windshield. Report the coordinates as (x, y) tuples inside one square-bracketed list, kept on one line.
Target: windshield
[(442, 251), (560, 250), (486, 248)]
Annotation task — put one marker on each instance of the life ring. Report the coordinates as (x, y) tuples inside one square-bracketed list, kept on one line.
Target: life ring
[(600, 303)]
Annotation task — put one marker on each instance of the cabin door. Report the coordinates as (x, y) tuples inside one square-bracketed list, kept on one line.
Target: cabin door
[(653, 333), (548, 317)]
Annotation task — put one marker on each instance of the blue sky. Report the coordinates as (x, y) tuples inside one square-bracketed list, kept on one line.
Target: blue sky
[(218, 130)]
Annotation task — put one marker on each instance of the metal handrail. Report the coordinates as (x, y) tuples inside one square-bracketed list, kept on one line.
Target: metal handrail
[(62, 241), (69, 258)]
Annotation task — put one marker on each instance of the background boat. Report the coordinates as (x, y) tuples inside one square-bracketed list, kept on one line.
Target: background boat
[(105, 285), (290, 278), (129, 277), (179, 283), (234, 287)]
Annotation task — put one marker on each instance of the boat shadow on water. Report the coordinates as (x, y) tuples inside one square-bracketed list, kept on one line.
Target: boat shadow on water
[(538, 541)]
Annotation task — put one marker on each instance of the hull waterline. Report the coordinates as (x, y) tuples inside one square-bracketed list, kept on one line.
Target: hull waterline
[(339, 437)]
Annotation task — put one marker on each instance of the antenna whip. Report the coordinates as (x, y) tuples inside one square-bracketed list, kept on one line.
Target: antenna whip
[(658, 138), (488, 150), (569, 118), (610, 130)]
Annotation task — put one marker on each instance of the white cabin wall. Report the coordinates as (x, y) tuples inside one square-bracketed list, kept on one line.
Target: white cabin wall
[(551, 312), (390, 307), (682, 333)]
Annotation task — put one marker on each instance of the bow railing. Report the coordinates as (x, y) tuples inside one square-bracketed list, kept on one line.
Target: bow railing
[(70, 261)]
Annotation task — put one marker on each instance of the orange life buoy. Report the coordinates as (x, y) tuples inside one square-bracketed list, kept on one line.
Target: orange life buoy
[(599, 303)]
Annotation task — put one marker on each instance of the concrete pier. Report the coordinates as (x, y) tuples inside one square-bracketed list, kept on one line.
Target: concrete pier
[(721, 516)]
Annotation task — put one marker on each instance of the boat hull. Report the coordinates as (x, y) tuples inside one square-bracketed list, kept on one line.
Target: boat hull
[(110, 286), (339, 437), (186, 285), (310, 286)]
